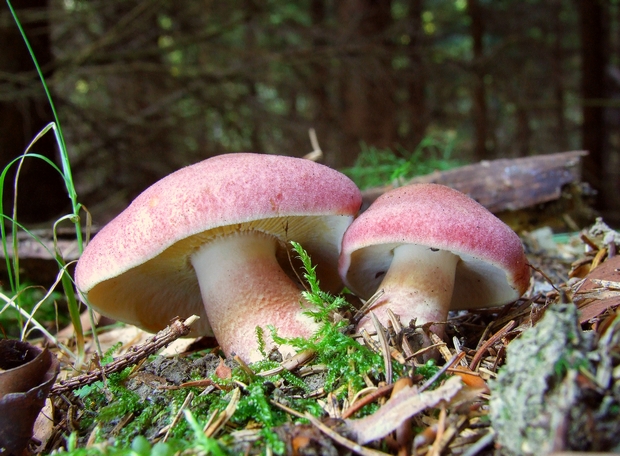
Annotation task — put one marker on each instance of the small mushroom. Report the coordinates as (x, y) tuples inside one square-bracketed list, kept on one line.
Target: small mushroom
[(212, 239), (431, 249)]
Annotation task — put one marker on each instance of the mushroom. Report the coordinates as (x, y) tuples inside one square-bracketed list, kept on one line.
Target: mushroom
[(211, 239), (431, 249)]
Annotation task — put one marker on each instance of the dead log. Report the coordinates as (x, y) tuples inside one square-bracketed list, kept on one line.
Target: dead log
[(506, 183), (512, 188)]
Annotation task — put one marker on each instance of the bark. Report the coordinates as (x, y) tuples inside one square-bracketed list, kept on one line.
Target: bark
[(366, 85), (557, 76), (506, 184), (593, 63), (417, 98), (479, 93), (324, 118), (524, 132), (592, 84)]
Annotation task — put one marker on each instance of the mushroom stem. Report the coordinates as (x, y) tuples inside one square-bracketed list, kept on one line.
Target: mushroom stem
[(242, 287), (418, 284)]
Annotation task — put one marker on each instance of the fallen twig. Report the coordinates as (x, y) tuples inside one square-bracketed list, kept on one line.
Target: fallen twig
[(351, 445), (178, 328), (493, 339)]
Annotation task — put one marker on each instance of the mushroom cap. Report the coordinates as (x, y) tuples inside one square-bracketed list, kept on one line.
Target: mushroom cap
[(137, 269), (492, 269)]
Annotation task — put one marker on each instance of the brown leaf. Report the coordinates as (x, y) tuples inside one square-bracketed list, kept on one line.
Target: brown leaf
[(28, 375), (591, 308), (470, 378), (401, 406)]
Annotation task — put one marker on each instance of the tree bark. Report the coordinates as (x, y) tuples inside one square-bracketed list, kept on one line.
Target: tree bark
[(324, 117), (593, 63), (366, 87), (417, 85), (557, 76), (479, 93)]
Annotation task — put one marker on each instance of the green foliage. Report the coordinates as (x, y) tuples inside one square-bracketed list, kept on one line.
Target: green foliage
[(346, 363), (376, 167), (324, 302), (140, 446), (200, 440), (74, 217), (429, 369), (33, 300), (261, 341), (346, 359)]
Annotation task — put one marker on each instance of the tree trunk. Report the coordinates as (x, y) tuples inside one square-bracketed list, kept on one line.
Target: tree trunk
[(557, 76), (479, 93), (593, 63), (524, 132), (417, 85), (41, 194), (366, 86), (324, 118)]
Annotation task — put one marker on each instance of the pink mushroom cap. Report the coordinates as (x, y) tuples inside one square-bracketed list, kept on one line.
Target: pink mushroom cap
[(490, 264), (141, 267)]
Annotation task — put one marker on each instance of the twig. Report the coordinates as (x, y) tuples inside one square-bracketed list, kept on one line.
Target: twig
[(455, 359), (376, 394), (177, 417), (493, 339), (351, 445), (287, 409), (316, 153), (366, 306), (483, 442), (223, 417), (178, 328), (385, 348), (244, 367)]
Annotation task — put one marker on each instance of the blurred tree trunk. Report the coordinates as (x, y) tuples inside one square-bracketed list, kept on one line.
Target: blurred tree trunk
[(366, 87), (135, 98), (524, 132), (557, 76), (252, 10), (479, 93), (593, 63), (324, 118), (417, 99), (24, 112)]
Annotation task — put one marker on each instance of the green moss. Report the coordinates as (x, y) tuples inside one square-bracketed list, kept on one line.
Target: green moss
[(375, 167)]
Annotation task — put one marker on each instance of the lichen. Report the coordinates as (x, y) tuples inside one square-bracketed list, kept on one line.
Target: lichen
[(545, 397)]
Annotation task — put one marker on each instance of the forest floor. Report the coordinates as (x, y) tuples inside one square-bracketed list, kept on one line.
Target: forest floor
[(537, 376)]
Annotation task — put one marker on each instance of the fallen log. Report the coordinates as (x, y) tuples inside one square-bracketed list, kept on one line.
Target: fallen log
[(536, 187)]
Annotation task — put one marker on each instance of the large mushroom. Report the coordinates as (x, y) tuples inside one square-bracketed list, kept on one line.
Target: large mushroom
[(431, 249), (212, 239)]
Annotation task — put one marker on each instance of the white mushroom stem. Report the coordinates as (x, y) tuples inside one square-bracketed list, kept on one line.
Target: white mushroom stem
[(243, 286), (418, 285)]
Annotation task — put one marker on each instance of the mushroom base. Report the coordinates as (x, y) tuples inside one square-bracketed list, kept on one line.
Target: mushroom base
[(418, 284), (242, 287)]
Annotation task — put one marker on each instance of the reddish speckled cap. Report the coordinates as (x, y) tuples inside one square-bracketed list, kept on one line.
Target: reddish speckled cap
[(137, 268), (492, 269)]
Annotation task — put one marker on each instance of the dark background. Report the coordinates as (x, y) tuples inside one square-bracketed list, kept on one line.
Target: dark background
[(145, 87)]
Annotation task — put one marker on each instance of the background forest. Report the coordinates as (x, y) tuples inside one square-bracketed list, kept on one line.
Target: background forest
[(145, 87)]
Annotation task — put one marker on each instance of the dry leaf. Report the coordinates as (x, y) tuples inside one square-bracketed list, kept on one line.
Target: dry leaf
[(470, 378), (604, 299), (223, 371), (28, 375), (402, 405)]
